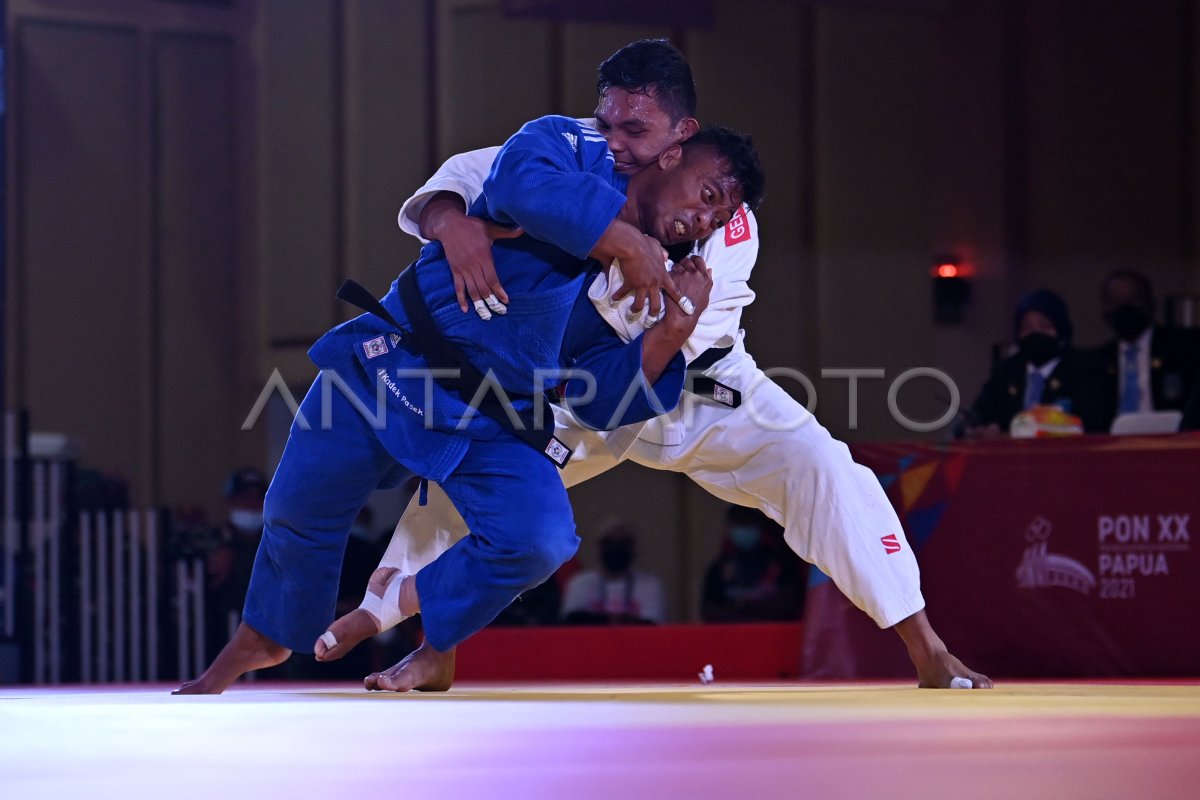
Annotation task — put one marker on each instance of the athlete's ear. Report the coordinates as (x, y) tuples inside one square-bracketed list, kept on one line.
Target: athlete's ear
[(670, 158), (687, 128)]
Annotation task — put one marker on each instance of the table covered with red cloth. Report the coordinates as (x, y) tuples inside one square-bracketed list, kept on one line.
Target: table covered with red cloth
[(1039, 558)]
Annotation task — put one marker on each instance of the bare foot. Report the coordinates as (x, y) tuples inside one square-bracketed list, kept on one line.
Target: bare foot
[(351, 629), (936, 667), (247, 650), (424, 669), (939, 669)]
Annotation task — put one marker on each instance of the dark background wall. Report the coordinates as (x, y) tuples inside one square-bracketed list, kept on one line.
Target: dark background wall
[(190, 181)]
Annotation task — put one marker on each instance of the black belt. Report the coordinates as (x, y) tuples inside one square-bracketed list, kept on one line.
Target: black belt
[(709, 357), (441, 353), (708, 387)]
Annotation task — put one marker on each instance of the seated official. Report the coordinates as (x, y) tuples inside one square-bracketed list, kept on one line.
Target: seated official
[(1045, 370), (1146, 367)]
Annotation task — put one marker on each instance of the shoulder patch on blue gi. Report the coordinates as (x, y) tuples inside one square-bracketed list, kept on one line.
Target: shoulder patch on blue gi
[(395, 339), (572, 140), (375, 347)]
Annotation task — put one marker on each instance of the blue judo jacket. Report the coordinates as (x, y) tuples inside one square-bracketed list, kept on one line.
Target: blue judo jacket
[(555, 179)]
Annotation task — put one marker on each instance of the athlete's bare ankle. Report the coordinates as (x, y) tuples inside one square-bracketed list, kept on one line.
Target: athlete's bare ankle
[(410, 600)]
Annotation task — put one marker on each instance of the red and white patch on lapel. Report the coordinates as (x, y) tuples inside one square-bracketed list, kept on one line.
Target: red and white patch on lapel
[(737, 230)]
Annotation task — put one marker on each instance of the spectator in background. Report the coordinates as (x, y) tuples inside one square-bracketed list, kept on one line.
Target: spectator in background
[(231, 561), (1045, 370), (1146, 367), (617, 594), (754, 579)]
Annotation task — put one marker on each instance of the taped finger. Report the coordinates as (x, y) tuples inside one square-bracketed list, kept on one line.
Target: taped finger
[(495, 305), (482, 310)]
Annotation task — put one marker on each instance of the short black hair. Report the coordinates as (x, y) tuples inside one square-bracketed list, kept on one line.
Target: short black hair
[(655, 67), (738, 150)]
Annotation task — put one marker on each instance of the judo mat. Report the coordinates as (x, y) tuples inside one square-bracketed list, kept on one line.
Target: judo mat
[(862, 740)]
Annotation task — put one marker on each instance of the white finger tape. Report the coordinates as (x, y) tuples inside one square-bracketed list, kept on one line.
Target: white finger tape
[(494, 304), (962, 683)]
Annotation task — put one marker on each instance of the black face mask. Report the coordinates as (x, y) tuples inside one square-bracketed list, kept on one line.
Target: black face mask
[(616, 559), (1128, 321), (1038, 348)]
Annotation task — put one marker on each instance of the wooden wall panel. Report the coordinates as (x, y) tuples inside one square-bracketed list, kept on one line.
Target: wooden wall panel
[(80, 313), (196, 267), (387, 133), (1106, 150), (971, 172), (493, 75), (301, 168), (131, 222), (874, 112), (757, 89)]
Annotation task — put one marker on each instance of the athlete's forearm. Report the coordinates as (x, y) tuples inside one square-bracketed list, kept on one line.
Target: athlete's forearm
[(620, 241), (661, 343), (439, 215)]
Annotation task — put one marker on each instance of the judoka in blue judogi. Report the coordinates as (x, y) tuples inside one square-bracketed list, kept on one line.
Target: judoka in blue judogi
[(374, 416)]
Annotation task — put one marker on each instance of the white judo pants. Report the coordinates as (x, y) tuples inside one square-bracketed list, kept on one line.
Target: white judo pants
[(770, 454)]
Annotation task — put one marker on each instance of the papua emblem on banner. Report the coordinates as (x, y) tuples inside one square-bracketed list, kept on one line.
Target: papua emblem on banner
[(1040, 568)]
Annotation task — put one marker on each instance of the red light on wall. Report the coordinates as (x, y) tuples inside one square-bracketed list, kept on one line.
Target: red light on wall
[(946, 271), (951, 288)]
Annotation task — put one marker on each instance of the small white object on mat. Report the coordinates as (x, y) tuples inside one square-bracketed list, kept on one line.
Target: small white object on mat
[(706, 674), (962, 683)]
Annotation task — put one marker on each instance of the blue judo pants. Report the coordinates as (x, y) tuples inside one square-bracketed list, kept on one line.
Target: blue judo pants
[(511, 497)]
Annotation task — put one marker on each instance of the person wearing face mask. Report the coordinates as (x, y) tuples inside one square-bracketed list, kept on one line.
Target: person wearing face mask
[(230, 564), (616, 594), (1044, 370), (1146, 367), (753, 579)]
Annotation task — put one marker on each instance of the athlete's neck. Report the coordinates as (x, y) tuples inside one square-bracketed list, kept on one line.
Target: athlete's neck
[(630, 212)]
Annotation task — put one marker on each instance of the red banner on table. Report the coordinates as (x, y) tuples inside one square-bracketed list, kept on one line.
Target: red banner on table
[(1039, 558)]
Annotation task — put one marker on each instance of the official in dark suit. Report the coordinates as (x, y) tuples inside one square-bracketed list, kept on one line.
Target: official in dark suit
[(1045, 370), (1146, 367)]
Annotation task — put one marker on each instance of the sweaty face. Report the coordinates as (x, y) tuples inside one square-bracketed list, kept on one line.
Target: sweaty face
[(691, 197), (636, 127)]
